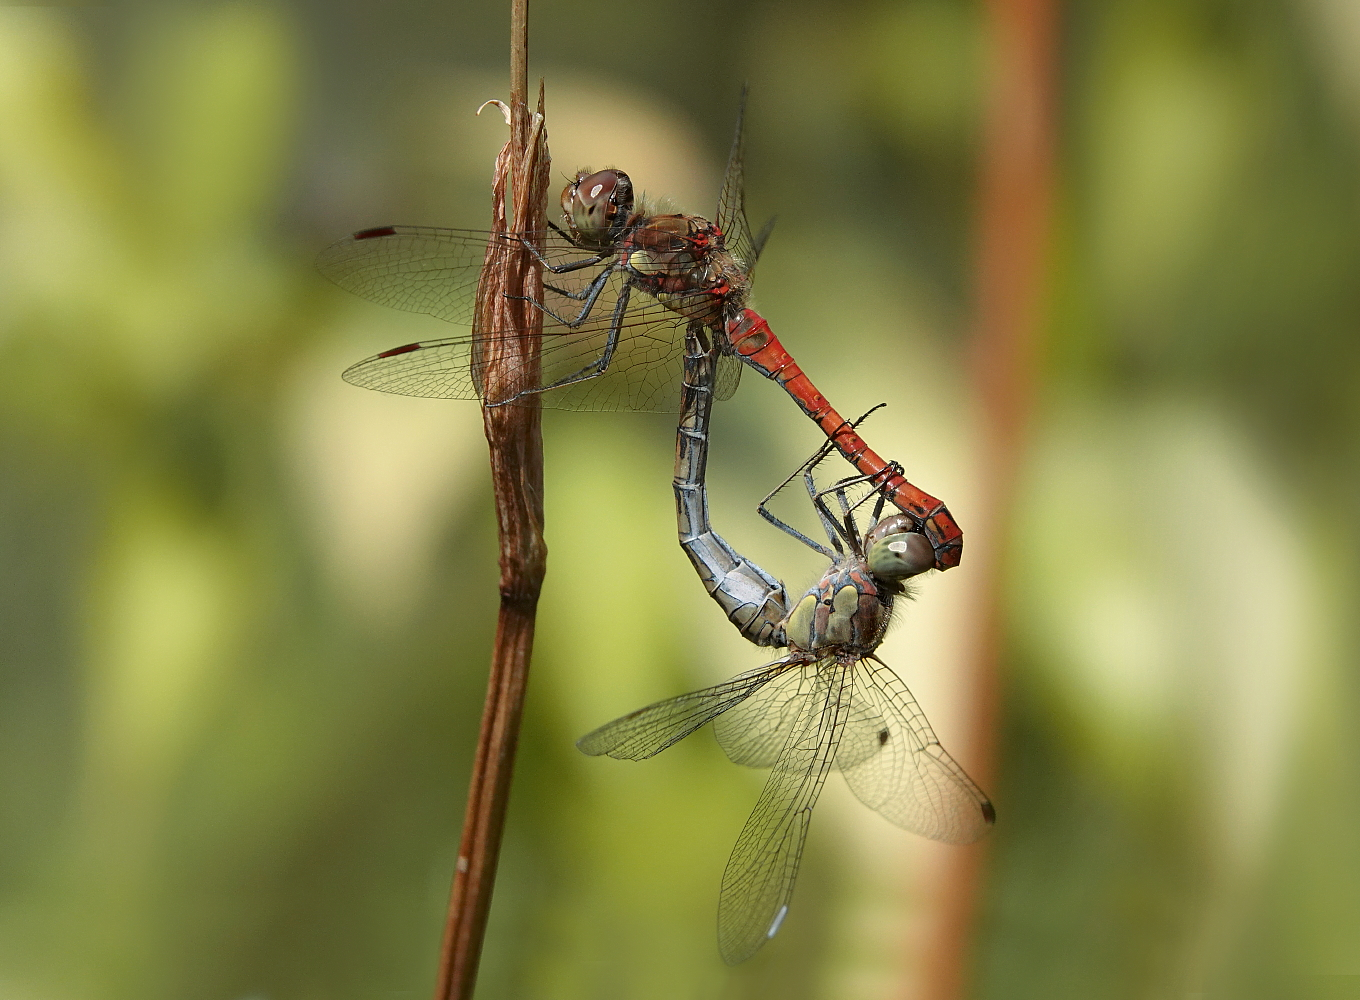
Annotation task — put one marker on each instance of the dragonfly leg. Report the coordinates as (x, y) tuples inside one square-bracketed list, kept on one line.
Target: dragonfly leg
[(846, 526), (879, 504), (575, 265), (789, 529), (590, 293), (601, 364), (829, 524), (847, 517), (763, 510), (841, 485), (578, 296)]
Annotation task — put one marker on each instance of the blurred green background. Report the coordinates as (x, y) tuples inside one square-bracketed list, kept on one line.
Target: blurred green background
[(247, 608)]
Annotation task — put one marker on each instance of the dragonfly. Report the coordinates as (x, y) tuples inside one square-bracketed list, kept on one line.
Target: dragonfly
[(829, 704), (622, 281)]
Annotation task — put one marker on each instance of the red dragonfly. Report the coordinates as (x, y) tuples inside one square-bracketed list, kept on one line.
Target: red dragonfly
[(623, 281)]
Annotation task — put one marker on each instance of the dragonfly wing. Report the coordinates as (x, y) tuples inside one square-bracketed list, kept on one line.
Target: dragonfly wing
[(728, 377), (758, 881), (416, 268), (435, 271), (754, 732), (435, 368), (643, 371), (732, 201), (894, 763), (864, 729), (646, 732)]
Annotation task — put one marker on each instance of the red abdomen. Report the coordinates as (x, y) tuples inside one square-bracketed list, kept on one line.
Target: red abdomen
[(755, 343)]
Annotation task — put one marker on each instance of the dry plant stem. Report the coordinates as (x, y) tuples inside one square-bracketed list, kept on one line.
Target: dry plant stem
[(515, 442), (1016, 196)]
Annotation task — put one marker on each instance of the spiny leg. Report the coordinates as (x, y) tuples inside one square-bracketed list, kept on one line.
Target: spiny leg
[(829, 524), (839, 488), (593, 370), (576, 265), (591, 292), (789, 529)]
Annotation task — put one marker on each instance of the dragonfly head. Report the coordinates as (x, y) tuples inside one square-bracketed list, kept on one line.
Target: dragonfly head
[(895, 551), (597, 206)]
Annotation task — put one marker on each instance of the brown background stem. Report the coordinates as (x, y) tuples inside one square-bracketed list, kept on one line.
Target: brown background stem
[(1015, 197)]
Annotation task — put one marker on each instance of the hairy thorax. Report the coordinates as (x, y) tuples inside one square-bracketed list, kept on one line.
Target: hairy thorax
[(846, 612), (682, 260)]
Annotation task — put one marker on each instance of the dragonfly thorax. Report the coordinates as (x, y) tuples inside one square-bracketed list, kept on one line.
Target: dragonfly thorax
[(683, 261), (598, 207), (846, 611), (849, 607)]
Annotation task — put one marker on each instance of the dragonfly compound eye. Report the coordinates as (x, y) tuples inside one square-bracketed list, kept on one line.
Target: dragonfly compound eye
[(598, 204), (897, 557), (893, 524)]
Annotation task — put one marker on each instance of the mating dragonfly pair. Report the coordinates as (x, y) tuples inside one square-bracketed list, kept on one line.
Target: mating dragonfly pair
[(635, 304)]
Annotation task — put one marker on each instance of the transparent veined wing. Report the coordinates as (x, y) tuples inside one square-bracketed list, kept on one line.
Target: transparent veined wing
[(866, 733), (649, 730), (420, 269), (732, 201), (758, 882), (727, 379), (754, 732), (895, 765), (605, 346)]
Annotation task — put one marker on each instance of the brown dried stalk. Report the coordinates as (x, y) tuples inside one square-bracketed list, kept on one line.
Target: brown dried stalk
[(1015, 205), (515, 441)]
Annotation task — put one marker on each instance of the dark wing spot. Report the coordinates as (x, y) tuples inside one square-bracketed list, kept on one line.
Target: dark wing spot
[(882, 736), (403, 349), (988, 813), (369, 234)]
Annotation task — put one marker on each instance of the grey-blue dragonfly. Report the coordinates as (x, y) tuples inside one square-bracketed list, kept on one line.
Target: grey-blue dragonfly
[(829, 703)]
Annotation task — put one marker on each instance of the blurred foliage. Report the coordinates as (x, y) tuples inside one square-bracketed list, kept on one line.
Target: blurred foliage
[(246, 608)]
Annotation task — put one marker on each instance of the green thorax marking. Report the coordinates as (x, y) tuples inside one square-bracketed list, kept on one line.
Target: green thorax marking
[(844, 611)]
